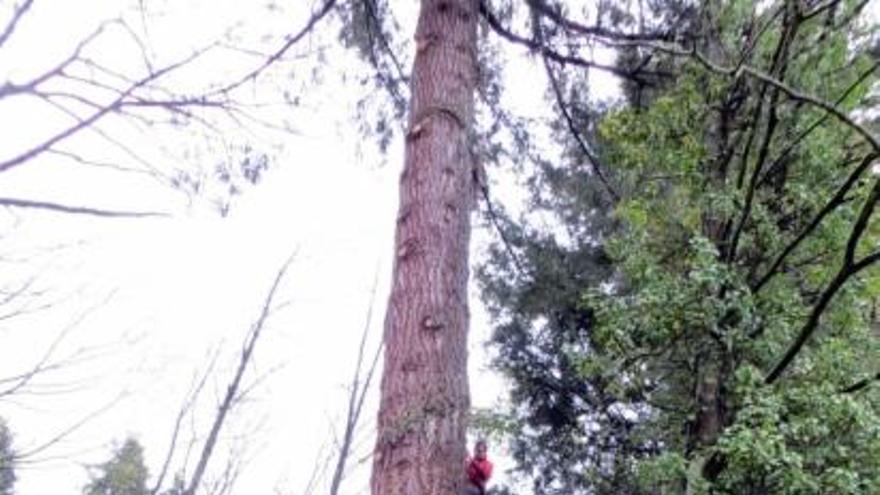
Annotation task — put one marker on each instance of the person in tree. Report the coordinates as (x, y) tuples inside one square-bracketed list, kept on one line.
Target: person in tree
[(479, 470)]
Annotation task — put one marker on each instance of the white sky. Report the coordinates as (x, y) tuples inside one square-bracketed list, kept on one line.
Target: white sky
[(182, 287)]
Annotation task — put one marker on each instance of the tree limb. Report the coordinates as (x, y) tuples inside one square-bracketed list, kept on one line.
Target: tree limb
[(76, 210), (792, 93), (821, 120), (252, 75), (18, 12), (545, 10), (9, 88), (827, 106), (357, 394), (499, 29), (97, 115), (779, 65), (849, 268), (835, 201), (572, 128), (861, 384), (232, 390)]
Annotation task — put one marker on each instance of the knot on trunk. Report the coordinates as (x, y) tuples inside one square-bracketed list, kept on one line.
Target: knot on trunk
[(422, 119), (458, 9), (426, 41), (433, 323), (409, 248)]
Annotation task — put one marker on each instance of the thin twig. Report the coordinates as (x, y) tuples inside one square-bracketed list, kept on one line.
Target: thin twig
[(232, 390), (17, 14), (572, 127), (76, 210), (255, 73)]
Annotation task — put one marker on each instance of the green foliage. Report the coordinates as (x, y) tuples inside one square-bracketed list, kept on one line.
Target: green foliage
[(662, 472), (368, 27), (124, 474), (665, 373), (804, 439)]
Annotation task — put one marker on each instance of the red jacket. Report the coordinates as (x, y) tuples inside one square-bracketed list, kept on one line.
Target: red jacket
[(479, 471)]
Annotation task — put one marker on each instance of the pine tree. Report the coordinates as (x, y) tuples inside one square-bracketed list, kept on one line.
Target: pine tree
[(424, 406), (729, 325), (124, 474)]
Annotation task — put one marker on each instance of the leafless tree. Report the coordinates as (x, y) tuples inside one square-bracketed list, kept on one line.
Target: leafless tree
[(235, 391), (338, 451), (358, 388), (89, 97), (94, 97)]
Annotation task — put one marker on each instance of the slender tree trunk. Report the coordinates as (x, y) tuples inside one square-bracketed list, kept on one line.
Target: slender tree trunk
[(420, 446)]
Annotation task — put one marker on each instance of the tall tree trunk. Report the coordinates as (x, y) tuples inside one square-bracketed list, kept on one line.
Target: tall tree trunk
[(420, 446)]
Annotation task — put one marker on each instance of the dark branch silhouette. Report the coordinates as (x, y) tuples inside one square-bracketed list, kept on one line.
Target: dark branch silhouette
[(233, 389), (76, 210), (861, 384), (18, 12), (359, 386), (849, 268), (274, 57)]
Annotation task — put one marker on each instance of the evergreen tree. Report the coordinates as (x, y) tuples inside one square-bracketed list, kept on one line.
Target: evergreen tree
[(727, 330), (124, 474), (424, 395)]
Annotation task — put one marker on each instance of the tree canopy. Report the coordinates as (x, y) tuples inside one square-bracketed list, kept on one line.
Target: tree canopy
[(709, 326)]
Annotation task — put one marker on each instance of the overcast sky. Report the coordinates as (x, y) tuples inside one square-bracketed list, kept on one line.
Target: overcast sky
[(140, 305)]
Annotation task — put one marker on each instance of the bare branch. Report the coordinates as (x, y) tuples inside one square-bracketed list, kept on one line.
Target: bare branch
[(9, 89), (791, 92), (818, 122), (778, 68), (149, 169), (76, 210), (18, 12), (9, 295), (254, 74), (356, 398), (45, 363), (546, 10), (370, 6), (830, 206), (61, 435), (92, 163), (388, 83), (185, 408), (572, 128), (232, 390), (496, 222), (861, 384), (88, 121), (512, 37), (827, 106), (320, 467), (818, 9)]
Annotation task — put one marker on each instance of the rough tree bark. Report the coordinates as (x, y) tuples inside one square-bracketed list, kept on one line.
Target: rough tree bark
[(420, 447)]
